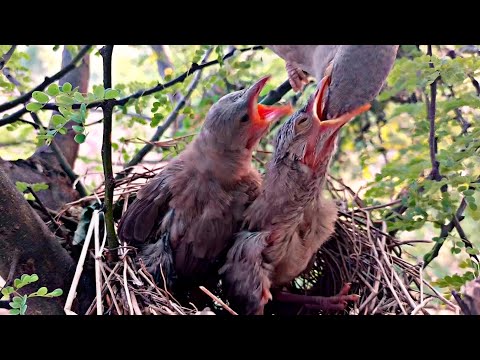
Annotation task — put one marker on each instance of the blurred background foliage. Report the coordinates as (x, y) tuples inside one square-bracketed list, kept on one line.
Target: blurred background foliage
[(383, 154)]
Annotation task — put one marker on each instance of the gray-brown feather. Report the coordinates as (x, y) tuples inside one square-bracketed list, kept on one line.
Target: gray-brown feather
[(197, 201)]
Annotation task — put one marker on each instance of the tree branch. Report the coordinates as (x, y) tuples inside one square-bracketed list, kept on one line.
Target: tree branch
[(107, 107), (68, 169), (48, 80), (445, 230), (37, 124), (6, 57), (13, 117), (194, 68), (42, 207), (432, 140), (170, 120), (275, 95)]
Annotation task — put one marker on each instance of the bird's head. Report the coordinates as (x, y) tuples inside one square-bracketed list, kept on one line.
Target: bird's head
[(307, 137), (238, 121)]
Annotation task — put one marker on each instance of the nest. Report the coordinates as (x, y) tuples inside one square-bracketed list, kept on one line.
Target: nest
[(361, 252)]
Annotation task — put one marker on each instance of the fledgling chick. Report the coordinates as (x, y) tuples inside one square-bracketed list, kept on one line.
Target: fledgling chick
[(184, 218), (290, 220)]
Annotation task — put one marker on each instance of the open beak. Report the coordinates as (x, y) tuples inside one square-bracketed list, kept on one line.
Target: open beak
[(316, 108), (262, 115)]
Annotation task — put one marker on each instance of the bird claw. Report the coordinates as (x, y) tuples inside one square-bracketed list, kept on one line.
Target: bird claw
[(335, 303), (296, 77)]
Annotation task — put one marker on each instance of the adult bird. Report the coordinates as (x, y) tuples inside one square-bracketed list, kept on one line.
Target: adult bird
[(183, 219), (290, 220), (358, 72)]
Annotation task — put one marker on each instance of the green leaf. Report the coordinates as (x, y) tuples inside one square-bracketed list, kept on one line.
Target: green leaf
[(99, 92), (55, 293), (34, 277), (80, 138), (83, 110), (77, 117), (111, 94), (6, 291), (21, 186), (156, 120), (472, 251), (456, 250), (65, 112), (78, 129), (34, 106), (42, 291), (14, 311), (79, 97), (15, 305), (28, 197), (64, 100), (23, 309), (58, 119), (17, 283), (40, 96), (62, 131), (90, 97), (53, 90), (66, 87)]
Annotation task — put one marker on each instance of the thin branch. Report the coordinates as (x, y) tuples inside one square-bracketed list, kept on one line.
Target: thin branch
[(48, 80), (445, 230), (432, 140), (107, 106), (170, 120), (193, 69), (6, 57), (275, 95), (68, 169), (13, 117), (42, 206), (9, 76)]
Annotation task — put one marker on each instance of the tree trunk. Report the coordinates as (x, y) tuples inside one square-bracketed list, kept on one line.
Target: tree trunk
[(27, 246)]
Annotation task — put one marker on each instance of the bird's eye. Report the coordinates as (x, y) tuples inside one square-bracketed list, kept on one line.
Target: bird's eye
[(244, 118), (302, 121)]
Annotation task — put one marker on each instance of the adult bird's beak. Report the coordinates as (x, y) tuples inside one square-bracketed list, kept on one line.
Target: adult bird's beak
[(262, 116)]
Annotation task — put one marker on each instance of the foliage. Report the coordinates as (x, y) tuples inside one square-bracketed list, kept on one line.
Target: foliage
[(384, 153), (19, 302), (23, 187)]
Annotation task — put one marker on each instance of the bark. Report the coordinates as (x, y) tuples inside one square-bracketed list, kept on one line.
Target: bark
[(27, 246)]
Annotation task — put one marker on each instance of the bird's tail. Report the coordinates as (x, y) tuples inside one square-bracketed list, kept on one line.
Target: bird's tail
[(158, 259), (245, 276)]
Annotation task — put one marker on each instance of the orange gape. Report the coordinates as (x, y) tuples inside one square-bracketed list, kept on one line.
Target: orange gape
[(183, 219), (289, 220)]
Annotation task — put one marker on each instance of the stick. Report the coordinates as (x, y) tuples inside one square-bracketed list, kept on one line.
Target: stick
[(225, 306), (78, 272), (98, 275)]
